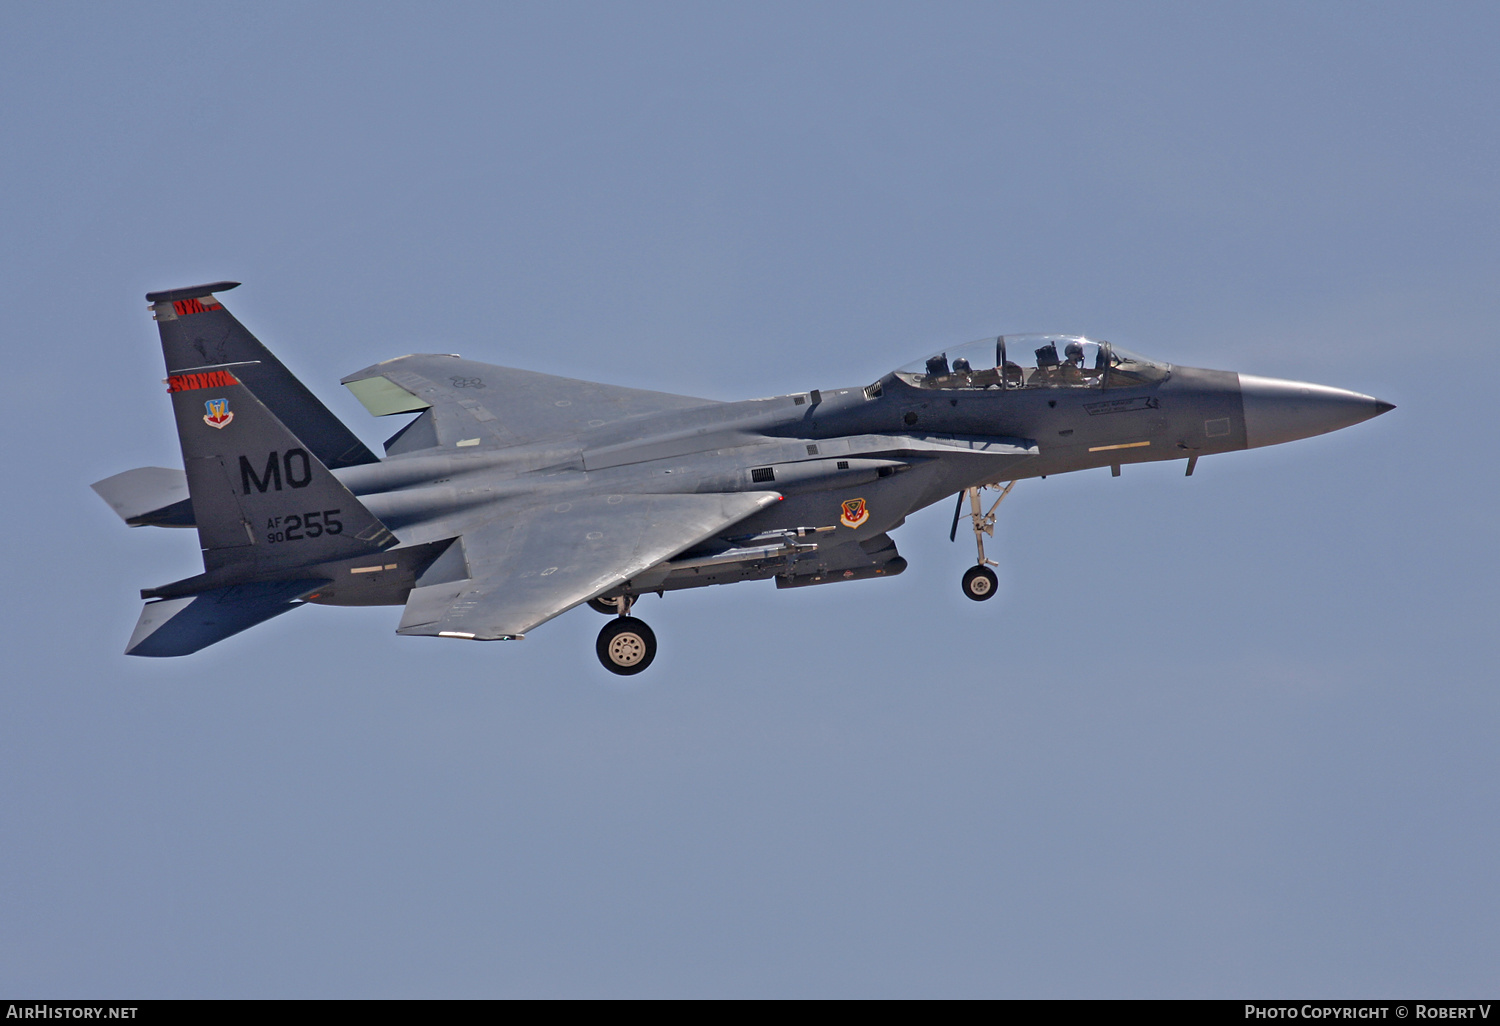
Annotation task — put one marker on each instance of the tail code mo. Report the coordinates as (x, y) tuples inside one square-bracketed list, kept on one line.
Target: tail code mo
[(293, 466)]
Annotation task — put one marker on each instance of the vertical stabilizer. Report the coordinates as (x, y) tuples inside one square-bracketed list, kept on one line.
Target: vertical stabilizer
[(262, 500), (197, 332)]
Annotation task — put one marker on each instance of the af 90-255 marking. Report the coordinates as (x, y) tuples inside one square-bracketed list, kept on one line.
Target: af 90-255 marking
[(302, 526)]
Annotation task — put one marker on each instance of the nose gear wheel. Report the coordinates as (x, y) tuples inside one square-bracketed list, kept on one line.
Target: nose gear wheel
[(980, 583)]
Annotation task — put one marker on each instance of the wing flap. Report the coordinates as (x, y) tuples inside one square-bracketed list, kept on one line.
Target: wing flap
[(527, 568)]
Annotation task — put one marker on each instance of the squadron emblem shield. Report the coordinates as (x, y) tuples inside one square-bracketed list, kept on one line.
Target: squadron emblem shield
[(854, 513), (218, 413)]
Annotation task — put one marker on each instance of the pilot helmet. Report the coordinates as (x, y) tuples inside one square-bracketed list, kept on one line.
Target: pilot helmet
[(1073, 351)]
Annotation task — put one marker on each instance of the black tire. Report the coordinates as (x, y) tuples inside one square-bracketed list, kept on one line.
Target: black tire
[(605, 606), (980, 583), (626, 646)]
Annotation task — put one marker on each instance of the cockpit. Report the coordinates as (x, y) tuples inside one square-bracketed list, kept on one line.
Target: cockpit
[(1034, 361)]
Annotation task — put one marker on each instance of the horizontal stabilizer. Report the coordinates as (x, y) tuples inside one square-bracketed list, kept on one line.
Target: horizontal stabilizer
[(182, 626), (155, 496)]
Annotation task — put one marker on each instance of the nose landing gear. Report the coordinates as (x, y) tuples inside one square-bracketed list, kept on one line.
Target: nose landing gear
[(979, 581), (626, 645)]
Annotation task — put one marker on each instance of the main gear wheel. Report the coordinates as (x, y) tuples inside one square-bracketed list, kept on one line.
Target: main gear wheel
[(626, 646)]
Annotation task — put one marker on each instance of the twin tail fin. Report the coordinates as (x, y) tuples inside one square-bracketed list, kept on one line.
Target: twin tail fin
[(197, 332), (262, 499), (257, 448)]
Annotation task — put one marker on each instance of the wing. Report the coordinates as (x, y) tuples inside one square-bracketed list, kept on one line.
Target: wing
[(528, 566), (479, 404)]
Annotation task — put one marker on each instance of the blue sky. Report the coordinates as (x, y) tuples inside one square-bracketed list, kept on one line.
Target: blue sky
[(1216, 736)]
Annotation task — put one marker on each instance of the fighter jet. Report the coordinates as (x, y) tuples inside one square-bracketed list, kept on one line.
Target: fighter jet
[(511, 497)]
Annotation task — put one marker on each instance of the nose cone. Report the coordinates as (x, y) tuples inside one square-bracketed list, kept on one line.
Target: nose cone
[(1279, 411)]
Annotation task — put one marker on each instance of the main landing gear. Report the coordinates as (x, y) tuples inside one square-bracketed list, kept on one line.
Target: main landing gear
[(979, 581), (626, 645)]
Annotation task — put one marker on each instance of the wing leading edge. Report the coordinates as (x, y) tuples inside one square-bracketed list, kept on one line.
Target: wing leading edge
[(527, 567)]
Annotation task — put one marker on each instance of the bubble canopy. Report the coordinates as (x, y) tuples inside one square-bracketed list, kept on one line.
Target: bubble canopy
[(1034, 361)]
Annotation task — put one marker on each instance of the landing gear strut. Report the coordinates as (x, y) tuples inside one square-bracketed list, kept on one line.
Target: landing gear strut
[(626, 645), (979, 581)]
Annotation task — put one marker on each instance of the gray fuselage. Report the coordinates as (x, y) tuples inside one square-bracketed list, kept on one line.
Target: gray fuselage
[(889, 449)]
